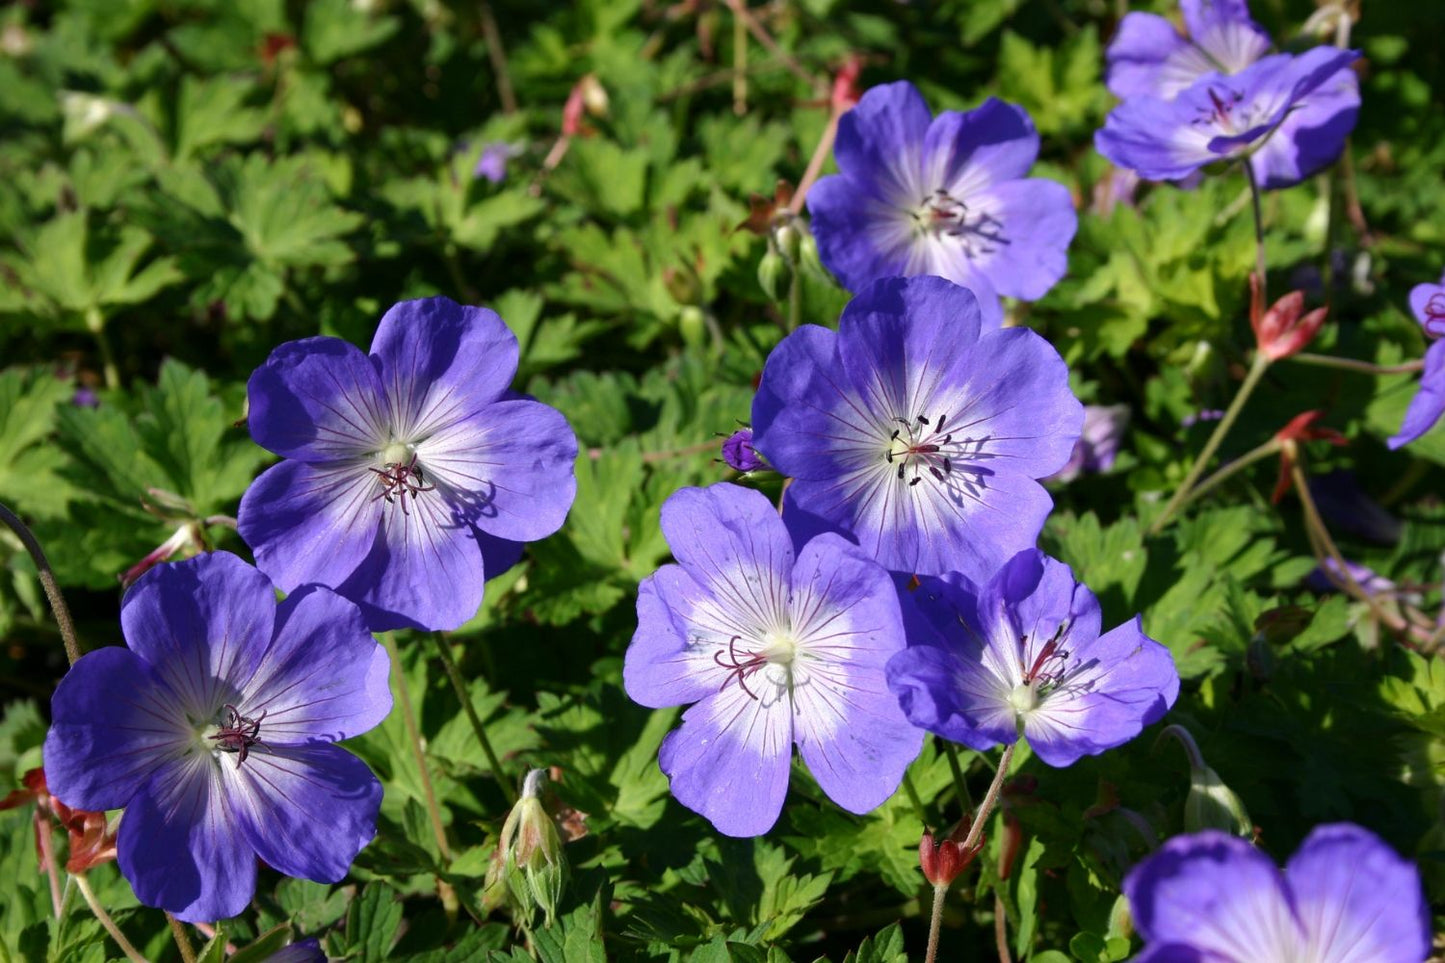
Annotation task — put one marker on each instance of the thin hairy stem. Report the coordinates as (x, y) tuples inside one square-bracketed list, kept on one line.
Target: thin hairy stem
[(760, 33), (940, 890), (183, 939), (1353, 364), (1251, 380), (960, 785), (740, 66), (1226, 472), (497, 54), (1258, 230), (478, 729), (1000, 929), (816, 162), (47, 856), (912, 792), (58, 607), (408, 716), (131, 953)]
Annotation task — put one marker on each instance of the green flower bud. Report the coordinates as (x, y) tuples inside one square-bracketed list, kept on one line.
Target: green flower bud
[(1210, 804), (774, 274), (529, 865)]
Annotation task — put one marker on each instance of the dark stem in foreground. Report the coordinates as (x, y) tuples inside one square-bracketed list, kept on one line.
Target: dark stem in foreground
[(459, 686), (47, 580)]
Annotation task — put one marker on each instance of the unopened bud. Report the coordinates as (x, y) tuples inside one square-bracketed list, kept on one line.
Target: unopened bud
[(739, 454), (692, 325), (1210, 804), (594, 96), (1281, 331), (787, 237), (774, 275), (529, 861)]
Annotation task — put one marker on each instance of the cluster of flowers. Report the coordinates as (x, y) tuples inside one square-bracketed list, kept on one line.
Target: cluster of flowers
[(897, 588), (409, 476)]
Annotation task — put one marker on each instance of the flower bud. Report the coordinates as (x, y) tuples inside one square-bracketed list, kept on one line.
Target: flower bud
[(774, 274), (529, 861), (739, 454), (1281, 331), (943, 861), (1210, 804), (788, 238)]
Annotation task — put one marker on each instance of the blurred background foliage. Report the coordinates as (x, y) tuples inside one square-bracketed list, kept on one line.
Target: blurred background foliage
[(184, 184)]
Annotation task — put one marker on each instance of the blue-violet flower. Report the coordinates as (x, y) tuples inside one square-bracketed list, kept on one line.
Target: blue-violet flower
[(1427, 301), (1344, 897), (1148, 57), (774, 647), (409, 475), (916, 432), (943, 195), (214, 731), (1221, 117), (1021, 655)]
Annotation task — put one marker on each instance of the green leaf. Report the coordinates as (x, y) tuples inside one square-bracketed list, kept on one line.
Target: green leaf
[(885, 947), (210, 111), (335, 29), (371, 925)]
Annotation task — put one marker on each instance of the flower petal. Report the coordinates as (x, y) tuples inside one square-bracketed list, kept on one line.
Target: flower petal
[(1358, 900), (317, 399), (879, 143), (1224, 31), (1429, 402), (1038, 222), (203, 625), (967, 152), (1136, 55), (278, 794), (861, 238), (1312, 135), (729, 760), (425, 571), (180, 847), (665, 663), (1217, 894), (441, 362), (507, 468), (731, 540), (114, 725), (311, 523), (848, 725), (323, 676)]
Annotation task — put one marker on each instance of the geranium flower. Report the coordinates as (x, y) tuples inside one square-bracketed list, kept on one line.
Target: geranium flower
[(915, 433), (1149, 57), (1221, 117), (1021, 655), (214, 731), (775, 648), (944, 195), (1344, 897), (1427, 301), (404, 469), (1098, 445)]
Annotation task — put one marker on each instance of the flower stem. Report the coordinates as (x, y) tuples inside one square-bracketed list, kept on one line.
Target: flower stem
[(914, 798), (816, 162), (1251, 380), (183, 941), (497, 54), (795, 299), (940, 890), (414, 737), (47, 581), (1225, 472), (131, 953), (1258, 230), (1000, 929), (1353, 364), (975, 831), (740, 10), (47, 856), (459, 686), (960, 785)]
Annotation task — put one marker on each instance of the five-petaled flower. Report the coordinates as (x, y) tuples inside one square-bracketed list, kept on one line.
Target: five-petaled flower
[(214, 731), (775, 648), (1222, 117), (916, 432), (1427, 301), (1344, 897), (941, 195), (1021, 655), (1148, 56), (409, 475)]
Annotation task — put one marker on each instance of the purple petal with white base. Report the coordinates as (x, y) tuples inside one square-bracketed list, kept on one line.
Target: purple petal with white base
[(1344, 897), (943, 195), (914, 433), (775, 650), (406, 467), (1429, 402), (214, 731), (1022, 655), (1148, 57), (1221, 117)]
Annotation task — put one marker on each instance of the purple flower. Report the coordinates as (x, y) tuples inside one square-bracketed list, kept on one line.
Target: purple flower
[(941, 195), (915, 433), (739, 454), (1022, 656), (409, 475), (1367, 578), (214, 731), (492, 164), (1222, 117), (774, 648), (1148, 57), (1344, 897), (1427, 301), (1098, 446), (305, 951)]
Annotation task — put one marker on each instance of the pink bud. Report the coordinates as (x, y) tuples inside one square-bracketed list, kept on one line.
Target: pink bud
[(1281, 331)]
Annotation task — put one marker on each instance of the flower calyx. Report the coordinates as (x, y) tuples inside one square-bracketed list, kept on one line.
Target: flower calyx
[(1299, 428), (942, 861), (1281, 330)]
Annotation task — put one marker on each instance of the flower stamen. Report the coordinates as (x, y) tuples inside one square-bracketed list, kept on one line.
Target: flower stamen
[(1435, 315), (943, 215), (738, 668), (239, 733), (925, 445), (398, 479)]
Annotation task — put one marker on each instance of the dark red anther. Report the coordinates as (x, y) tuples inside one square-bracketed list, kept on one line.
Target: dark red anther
[(402, 479), (239, 734)]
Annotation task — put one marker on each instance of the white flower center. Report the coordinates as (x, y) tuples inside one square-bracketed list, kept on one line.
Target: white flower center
[(977, 232)]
